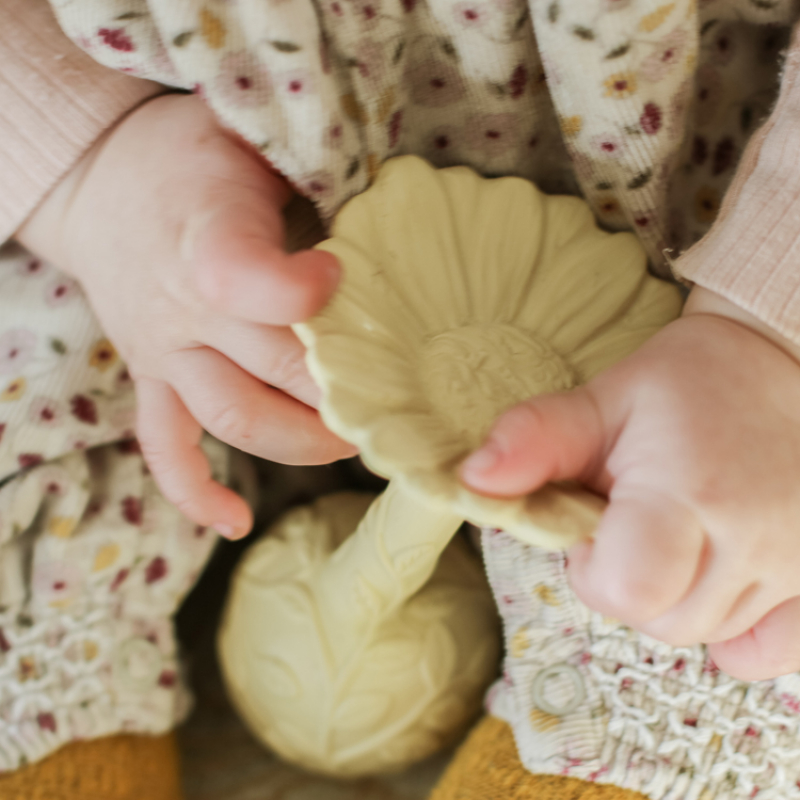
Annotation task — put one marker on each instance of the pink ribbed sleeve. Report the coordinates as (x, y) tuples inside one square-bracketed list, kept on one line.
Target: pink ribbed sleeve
[(751, 255), (54, 102)]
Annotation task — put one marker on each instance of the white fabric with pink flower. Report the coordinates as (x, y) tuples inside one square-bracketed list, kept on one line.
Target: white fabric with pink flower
[(93, 561), (643, 106), (592, 699)]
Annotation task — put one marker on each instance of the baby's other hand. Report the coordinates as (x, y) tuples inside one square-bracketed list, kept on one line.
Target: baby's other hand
[(173, 226), (695, 439)]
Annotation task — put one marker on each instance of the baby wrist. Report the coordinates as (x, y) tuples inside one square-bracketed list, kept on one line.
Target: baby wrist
[(707, 301), (44, 231)]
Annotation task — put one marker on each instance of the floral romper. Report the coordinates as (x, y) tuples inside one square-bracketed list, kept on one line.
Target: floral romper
[(642, 106)]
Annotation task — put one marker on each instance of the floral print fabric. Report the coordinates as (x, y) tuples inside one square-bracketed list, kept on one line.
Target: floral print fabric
[(93, 560), (641, 105)]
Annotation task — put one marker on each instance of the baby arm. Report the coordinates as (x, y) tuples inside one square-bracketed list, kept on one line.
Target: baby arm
[(173, 226)]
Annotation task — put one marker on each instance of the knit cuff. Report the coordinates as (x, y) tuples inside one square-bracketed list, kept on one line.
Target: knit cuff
[(751, 256), (55, 101)]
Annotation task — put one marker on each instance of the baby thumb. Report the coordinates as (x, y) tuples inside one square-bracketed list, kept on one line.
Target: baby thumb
[(547, 438)]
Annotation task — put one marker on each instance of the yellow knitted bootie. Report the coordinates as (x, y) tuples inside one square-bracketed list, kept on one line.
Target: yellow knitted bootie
[(114, 768), (487, 767)]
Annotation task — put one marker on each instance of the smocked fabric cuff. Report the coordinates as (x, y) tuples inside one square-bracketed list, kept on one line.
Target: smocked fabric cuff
[(54, 103), (752, 254), (592, 699)]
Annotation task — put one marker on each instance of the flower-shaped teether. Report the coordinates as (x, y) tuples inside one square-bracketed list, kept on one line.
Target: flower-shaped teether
[(462, 297)]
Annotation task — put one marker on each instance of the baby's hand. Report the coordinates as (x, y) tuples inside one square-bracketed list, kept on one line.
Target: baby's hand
[(173, 226), (695, 439)]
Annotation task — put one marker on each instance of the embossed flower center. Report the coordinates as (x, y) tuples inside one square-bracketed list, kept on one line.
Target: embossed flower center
[(470, 375)]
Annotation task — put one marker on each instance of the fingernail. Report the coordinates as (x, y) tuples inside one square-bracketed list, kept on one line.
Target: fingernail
[(481, 461), (332, 272), (228, 531), (324, 273)]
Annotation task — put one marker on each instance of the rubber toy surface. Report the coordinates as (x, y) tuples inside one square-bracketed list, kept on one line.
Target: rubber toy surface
[(461, 296)]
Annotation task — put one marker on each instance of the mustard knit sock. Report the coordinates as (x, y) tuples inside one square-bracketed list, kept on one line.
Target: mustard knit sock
[(114, 768), (486, 767)]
